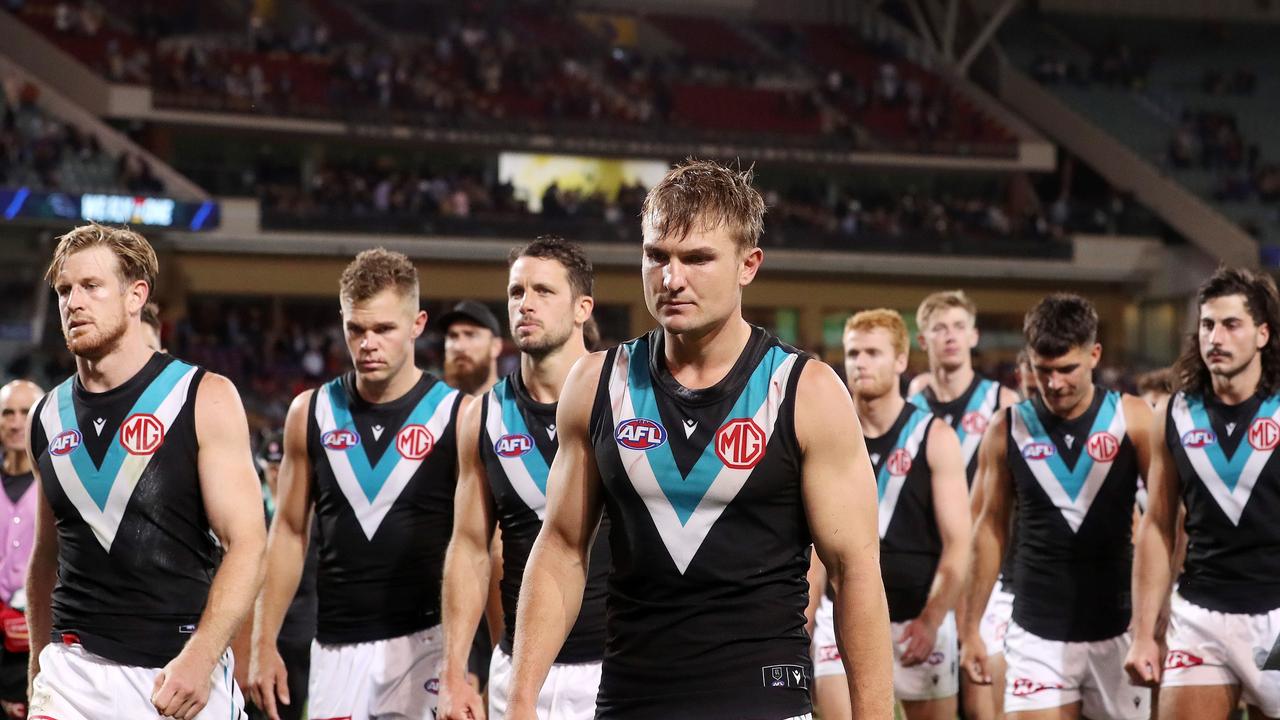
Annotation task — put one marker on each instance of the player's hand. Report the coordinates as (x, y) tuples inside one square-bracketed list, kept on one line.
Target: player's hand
[(974, 661), (917, 641), (182, 687), (459, 701), (1144, 662), (268, 679)]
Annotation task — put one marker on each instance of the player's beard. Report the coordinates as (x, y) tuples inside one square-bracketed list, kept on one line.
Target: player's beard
[(545, 345), (466, 375), (99, 342)]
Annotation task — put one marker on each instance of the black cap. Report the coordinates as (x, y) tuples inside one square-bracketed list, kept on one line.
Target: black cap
[(272, 449), (472, 312)]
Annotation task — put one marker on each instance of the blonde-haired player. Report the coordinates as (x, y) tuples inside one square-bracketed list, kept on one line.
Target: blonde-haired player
[(923, 527)]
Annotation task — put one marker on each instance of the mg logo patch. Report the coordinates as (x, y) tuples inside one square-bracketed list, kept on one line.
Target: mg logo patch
[(899, 463), (740, 444), (973, 423), (142, 434), (1102, 446), (340, 439), (513, 445), (1264, 434), (639, 434), (65, 442), (414, 442)]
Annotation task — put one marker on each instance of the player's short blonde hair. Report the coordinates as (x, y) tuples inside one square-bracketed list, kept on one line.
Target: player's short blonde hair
[(136, 257), (944, 300), (882, 319), (376, 270)]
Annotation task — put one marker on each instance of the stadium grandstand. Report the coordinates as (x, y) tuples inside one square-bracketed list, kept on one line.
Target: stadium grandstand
[(1119, 151)]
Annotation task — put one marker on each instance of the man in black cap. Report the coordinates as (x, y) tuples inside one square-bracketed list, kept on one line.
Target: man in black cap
[(473, 342), (299, 627)]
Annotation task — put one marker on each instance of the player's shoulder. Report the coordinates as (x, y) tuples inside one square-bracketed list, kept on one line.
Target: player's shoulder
[(919, 384)]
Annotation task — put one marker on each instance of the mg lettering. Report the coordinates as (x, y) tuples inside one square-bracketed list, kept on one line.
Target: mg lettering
[(1103, 447), (899, 463), (1264, 434), (415, 442), (973, 423), (740, 444), (142, 434)]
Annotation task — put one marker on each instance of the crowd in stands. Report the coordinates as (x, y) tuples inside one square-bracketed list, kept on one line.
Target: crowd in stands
[(37, 149), (474, 63), (821, 213), (1212, 141), (1113, 64)]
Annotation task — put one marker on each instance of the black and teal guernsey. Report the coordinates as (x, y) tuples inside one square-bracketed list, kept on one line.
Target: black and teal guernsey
[(910, 544), (384, 476), (1075, 482), (517, 444), (135, 553), (709, 537), (968, 415), (1230, 483)]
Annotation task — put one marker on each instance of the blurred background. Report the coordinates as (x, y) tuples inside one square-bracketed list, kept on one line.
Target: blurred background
[(1122, 150)]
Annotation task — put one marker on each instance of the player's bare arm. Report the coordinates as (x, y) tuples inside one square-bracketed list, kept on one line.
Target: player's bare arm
[(286, 554), (990, 538), (951, 512), (554, 579), (42, 571), (467, 570), (1153, 551), (840, 504), (232, 499)]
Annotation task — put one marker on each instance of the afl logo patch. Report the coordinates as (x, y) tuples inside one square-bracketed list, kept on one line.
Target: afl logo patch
[(1039, 451), (415, 442), (513, 445), (64, 442), (142, 434), (1102, 446), (1264, 434), (899, 463), (1179, 659), (1198, 438), (640, 434), (973, 423), (740, 444), (340, 439)]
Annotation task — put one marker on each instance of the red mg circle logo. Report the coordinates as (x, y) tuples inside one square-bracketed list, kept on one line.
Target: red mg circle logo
[(973, 423), (740, 444), (899, 463), (415, 442), (1103, 446), (1264, 434), (142, 434)]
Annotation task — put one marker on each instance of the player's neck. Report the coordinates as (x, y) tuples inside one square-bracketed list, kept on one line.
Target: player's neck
[(16, 462), (117, 367), (544, 377), (699, 361), (393, 388), (1235, 389), (879, 414), (950, 383)]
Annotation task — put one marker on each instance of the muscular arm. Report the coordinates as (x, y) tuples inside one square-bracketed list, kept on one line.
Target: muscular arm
[(951, 513), (1157, 533), (991, 530), (233, 503), (466, 565), (840, 504), (42, 571), (556, 574)]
